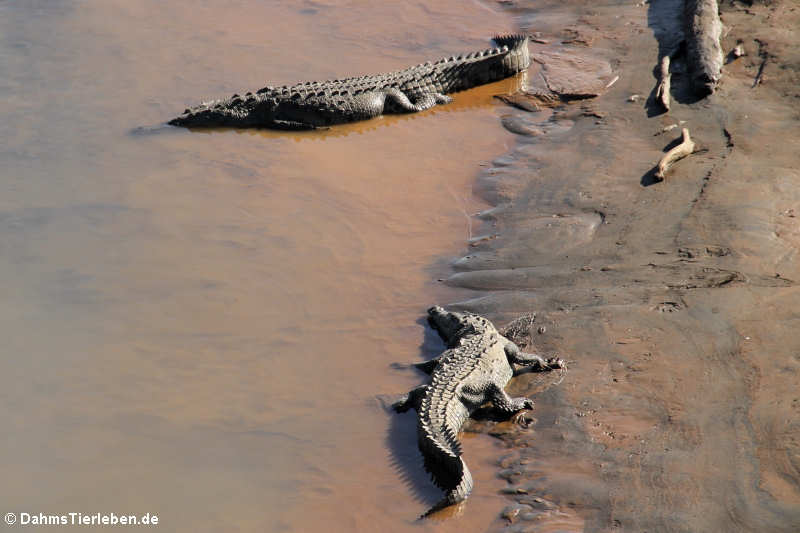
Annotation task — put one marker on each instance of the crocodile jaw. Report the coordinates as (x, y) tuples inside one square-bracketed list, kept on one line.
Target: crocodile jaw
[(232, 112)]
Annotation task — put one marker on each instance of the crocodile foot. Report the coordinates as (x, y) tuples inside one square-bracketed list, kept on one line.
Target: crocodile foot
[(523, 419)]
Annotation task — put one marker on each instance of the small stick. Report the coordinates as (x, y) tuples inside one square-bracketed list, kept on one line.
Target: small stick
[(679, 152), (662, 91), (760, 75)]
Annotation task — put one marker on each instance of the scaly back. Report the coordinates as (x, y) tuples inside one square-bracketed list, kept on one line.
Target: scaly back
[(448, 75)]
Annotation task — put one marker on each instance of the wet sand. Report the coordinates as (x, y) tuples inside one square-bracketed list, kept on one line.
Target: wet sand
[(674, 301)]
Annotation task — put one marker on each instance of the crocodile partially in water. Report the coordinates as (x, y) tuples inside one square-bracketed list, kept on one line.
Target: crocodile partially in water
[(312, 105), (475, 369)]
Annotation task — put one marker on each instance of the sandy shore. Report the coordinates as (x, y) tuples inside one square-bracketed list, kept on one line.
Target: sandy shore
[(673, 301)]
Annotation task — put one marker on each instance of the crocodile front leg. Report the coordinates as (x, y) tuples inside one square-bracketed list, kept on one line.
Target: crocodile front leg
[(505, 403), (515, 355), (426, 366)]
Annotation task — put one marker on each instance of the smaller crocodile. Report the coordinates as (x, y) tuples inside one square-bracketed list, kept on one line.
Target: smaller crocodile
[(475, 369), (311, 105)]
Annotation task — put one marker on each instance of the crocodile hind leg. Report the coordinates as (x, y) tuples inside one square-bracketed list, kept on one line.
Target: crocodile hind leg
[(412, 400), (397, 100), (515, 355), (505, 403)]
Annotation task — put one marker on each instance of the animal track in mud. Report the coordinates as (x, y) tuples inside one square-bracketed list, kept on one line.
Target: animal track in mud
[(669, 307), (708, 250)]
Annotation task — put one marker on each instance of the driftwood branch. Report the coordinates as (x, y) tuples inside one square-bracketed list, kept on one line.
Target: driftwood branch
[(764, 55), (662, 90), (703, 31), (760, 75), (686, 147)]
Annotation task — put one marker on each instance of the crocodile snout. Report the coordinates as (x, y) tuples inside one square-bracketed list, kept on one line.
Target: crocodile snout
[(436, 310)]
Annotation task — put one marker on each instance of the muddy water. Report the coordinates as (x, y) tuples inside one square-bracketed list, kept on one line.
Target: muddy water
[(196, 325)]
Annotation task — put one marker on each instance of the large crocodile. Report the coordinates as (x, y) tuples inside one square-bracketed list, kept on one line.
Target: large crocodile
[(474, 369), (313, 105)]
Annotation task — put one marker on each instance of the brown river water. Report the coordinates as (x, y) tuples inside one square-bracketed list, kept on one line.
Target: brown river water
[(198, 324)]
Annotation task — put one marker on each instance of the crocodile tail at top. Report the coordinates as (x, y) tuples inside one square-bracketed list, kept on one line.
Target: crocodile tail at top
[(511, 41), (516, 56)]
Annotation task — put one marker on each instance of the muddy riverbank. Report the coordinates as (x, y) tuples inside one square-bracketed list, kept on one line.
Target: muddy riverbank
[(674, 302)]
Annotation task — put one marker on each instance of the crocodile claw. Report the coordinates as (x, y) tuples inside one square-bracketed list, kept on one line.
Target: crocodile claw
[(555, 362), (523, 420)]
